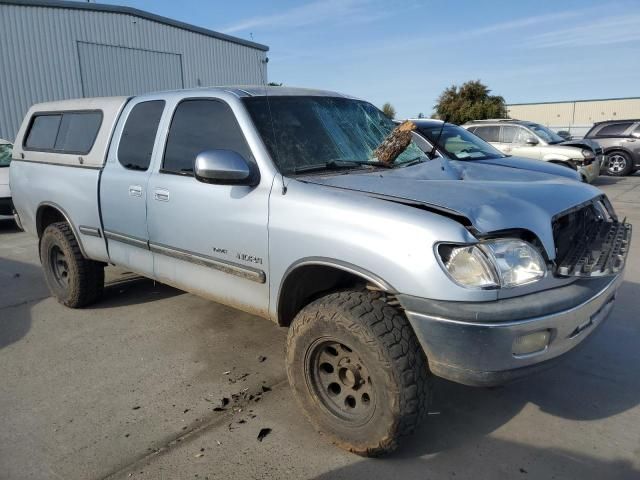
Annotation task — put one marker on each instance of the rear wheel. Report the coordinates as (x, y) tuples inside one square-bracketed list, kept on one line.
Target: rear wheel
[(619, 164), (71, 278), (358, 371)]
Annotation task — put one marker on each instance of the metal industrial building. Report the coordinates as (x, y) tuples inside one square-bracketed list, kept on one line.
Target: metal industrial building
[(576, 116), (52, 50)]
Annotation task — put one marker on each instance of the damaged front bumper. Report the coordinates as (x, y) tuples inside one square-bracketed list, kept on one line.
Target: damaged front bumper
[(473, 343), (592, 171)]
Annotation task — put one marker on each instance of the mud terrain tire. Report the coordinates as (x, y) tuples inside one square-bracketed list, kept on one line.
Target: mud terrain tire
[(72, 279), (358, 371)]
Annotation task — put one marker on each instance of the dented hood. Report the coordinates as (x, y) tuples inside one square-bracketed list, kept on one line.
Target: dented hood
[(492, 197)]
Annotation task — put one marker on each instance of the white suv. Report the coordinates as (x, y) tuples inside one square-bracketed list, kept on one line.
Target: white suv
[(531, 140)]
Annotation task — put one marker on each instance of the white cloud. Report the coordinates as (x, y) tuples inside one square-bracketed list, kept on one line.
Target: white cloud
[(604, 31), (523, 23), (315, 12)]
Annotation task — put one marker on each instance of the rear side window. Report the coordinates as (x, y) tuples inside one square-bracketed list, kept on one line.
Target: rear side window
[(139, 135), (613, 129), (200, 125), (65, 132), (488, 133), (43, 132), (78, 131)]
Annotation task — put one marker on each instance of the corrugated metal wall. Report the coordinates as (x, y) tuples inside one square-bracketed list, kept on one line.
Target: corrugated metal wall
[(41, 51), (576, 117), (108, 70)]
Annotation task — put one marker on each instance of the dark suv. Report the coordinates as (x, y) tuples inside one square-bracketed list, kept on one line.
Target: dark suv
[(620, 140)]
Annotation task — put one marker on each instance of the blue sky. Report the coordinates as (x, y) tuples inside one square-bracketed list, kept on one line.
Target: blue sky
[(407, 52)]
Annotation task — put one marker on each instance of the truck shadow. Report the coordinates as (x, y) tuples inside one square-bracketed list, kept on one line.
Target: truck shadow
[(7, 225), (491, 458), (133, 290), (21, 284)]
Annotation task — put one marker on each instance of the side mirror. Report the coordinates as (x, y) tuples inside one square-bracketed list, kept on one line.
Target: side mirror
[(531, 141), (225, 167)]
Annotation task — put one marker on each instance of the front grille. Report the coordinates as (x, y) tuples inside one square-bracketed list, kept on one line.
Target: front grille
[(590, 243)]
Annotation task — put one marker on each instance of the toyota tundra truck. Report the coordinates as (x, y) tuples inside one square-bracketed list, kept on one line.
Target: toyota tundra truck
[(273, 200)]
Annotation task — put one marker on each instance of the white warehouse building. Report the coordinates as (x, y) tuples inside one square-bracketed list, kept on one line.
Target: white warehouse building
[(53, 50), (576, 116)]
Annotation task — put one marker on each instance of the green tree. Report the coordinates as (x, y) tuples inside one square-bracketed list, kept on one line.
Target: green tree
[(470, 101), (388, 110)]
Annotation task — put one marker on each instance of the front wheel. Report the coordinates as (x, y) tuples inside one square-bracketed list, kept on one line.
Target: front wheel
[(619, 164), (71, 278), (358, 371)]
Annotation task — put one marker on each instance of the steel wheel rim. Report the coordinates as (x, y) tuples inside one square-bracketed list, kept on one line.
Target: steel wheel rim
[(616, 163), (59, 266), (340, 381)]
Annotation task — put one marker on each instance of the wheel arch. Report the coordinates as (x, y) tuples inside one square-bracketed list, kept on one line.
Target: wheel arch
[(50, 212), (309, 278), (617, 148)]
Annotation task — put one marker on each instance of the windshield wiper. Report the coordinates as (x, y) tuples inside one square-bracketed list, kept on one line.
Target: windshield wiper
[(337, 165), (413, 161)]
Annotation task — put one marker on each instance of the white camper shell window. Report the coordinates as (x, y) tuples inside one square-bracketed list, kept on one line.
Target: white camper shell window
[(63, 132)]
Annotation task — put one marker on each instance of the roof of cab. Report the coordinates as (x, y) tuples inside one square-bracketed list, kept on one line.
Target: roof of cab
[(258, 91), (261, 91)]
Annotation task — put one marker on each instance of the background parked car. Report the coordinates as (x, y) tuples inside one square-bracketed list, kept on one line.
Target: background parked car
[(6, 207), (620, 140), (532, 140), (456, 143)]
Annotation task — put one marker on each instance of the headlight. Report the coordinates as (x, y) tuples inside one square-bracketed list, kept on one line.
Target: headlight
[(586, 153), (517, 262), (468, 266), (494, 263)]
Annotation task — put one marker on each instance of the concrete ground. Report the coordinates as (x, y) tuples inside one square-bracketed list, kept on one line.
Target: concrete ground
[(132, 388)]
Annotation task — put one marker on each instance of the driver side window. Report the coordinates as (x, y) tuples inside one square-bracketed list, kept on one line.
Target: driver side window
[(199, 125)]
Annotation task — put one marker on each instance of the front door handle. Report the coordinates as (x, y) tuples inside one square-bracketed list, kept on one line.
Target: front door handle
[(135, 190), (161, 195)]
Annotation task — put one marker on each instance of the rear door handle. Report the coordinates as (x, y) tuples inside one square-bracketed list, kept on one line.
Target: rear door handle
[(135, 190), (161, 195)]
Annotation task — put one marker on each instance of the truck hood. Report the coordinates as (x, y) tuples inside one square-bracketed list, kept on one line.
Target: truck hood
[(533, 165), (491, 197)]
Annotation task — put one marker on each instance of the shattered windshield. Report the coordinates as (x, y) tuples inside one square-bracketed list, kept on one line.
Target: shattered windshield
[(5, 154), (460, 144), (322, 133)]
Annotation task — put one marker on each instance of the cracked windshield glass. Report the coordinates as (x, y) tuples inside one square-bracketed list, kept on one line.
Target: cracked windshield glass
[(306, 134)]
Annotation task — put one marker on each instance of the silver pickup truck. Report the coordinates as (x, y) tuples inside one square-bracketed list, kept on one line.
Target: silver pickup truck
[(272, 200)]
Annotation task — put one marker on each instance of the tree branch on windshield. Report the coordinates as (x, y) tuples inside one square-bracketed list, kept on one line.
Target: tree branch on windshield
[(395, 143)]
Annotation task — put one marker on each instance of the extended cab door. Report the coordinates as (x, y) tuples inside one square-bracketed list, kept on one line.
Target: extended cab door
[(123, 186), (208, 238)]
